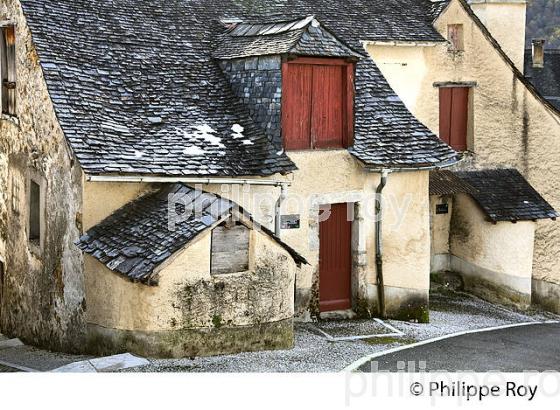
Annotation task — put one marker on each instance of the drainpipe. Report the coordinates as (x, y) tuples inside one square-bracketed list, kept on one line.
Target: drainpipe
[(278, 210), (379, 241)]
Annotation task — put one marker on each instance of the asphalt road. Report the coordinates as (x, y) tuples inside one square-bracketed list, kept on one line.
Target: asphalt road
[(518, 349)]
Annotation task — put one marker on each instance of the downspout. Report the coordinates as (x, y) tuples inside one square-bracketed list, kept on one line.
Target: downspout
[(379, 242), (278, 210)]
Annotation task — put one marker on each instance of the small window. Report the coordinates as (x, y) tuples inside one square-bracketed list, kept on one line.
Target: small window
[(35, 213), (454, 116), (455, 37), (317, 103), (230, 248), (8, 69), (16, 195)]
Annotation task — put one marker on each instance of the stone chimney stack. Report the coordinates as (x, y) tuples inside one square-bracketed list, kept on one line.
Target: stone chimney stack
[(538, 53), (506, 20)]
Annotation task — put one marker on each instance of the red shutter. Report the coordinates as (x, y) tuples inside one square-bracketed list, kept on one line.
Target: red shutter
[(445, 100), (327, 116), (454, 116), (459, 118), (296, 106)]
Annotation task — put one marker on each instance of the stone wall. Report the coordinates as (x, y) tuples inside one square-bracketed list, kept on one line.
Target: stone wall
[(257, 81), (43, 294)]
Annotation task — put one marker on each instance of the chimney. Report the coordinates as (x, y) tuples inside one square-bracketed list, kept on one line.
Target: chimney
[(538, 53), (505, 19)]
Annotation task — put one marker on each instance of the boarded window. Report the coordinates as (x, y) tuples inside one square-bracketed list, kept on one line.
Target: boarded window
[(456, 37), (34, 212), (230, 249), (454, 116), (317, 103), (8, 69)]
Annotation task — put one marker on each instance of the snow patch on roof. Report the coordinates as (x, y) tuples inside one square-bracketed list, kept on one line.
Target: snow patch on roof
[(193, 150)]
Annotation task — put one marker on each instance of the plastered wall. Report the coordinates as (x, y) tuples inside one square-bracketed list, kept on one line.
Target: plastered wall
[(496, 259), (189, 297), (510, 126)]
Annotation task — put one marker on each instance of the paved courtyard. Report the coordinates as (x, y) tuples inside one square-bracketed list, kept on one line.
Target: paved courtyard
[(315, 349)]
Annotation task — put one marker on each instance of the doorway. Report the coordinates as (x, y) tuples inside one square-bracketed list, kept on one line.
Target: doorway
[(335, 259)]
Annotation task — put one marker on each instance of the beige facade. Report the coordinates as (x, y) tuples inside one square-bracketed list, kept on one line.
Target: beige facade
[(509, 124), (406, 226), (506, 20), (494, 260), (190, 309)]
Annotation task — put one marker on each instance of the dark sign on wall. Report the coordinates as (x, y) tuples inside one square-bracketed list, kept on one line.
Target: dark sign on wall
[(442, 209)]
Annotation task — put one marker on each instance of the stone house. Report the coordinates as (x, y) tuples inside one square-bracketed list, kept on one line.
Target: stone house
[(503, 122), (182, 179)]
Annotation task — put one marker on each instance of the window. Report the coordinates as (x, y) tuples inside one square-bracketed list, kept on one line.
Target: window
[(35, 213), (230, 248), (317, 103), (16, 192), (455, 37), (8, 69), (454, 116)]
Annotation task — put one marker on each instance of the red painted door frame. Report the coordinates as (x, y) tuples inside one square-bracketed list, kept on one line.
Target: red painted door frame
[(335, 260)]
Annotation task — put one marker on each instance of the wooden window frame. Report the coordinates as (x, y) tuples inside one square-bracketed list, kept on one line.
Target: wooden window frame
[(230, 223), (456, 37), (8, 79), (347, 104), (36, 246)]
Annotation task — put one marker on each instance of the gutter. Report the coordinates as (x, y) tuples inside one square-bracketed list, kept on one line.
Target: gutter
[(396, 43), (379, 225), (186, 180), (379, 241), (278, 210)]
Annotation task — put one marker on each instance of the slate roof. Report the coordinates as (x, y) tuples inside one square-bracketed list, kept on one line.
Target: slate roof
[(505, 195), (448, 183), (303, 37), (137, 91), (547, 79), (137, 238)]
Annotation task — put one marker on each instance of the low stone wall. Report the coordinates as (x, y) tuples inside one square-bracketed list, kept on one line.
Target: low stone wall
[(191, 342)]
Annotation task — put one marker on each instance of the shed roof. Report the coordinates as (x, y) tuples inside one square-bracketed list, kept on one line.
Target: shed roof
[(138, 237), (136, 89), (448, 183), (505, 195)]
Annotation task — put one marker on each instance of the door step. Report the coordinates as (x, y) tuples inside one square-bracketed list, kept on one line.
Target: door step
[(348, 314)]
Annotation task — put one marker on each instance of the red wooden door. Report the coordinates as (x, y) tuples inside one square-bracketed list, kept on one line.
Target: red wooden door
[(327, 117), (454, 116), (335, 260), (296, 106)]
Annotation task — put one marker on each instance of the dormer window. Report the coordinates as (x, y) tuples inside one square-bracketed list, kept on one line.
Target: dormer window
[(8, 69), (317, 103)]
